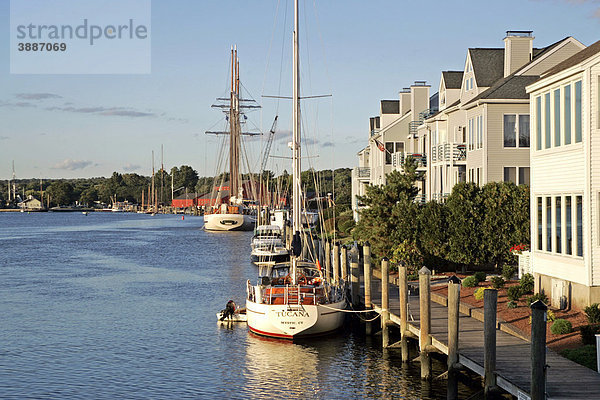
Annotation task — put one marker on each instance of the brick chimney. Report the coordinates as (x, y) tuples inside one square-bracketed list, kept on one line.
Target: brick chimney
[(518, 50)]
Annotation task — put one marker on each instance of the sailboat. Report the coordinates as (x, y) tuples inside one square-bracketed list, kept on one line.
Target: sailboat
[(294, 300), (232, 214)]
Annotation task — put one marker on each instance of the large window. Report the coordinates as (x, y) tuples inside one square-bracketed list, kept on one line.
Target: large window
[(480, 132), (516, 130), (548, 223), (540, 242), (557, 117), (547, 121), (579, 208), (510, 174), (567, 103), (524, 176), (538, 122), (558, 215), (471, 134), (569, 225), (577, 111), (391, 148), (562, 220)]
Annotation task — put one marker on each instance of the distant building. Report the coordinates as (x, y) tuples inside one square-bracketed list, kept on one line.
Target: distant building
[(565, 180), (30, 203)]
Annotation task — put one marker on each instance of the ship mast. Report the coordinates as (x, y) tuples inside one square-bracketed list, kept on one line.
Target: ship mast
[(296, 167), (234, 125)]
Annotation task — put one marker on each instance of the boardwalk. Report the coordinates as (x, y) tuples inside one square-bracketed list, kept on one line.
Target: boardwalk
[(565, 379)]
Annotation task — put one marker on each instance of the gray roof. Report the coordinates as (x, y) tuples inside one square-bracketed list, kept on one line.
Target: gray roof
[(390, 106), (575, 59), (452, 79), (511, 87), (488, 65)]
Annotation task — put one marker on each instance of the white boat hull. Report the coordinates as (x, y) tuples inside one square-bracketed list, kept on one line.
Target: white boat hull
[(294, 321), (229, 222)]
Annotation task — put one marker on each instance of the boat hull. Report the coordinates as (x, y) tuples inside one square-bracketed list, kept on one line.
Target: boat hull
[(286, 321), (269, 256), (228, 222)]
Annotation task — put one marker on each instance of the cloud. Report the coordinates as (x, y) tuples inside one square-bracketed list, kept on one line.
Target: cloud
[(72, 165), (131, 167), (327, 144), (37, 96), (22, 104), (354, 139), (104, 111), (127, 113), (4, 138)]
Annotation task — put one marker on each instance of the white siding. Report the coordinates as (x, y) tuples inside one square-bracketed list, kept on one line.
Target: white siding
[(594, 172)]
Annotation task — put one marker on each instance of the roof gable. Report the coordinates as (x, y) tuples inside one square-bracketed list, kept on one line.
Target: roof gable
[(452, 79), (575, 59), (488, 65)]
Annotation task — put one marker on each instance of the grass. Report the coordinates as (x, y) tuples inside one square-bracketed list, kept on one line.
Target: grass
[(584, 355)]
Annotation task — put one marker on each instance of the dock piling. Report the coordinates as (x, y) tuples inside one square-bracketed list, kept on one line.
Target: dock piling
[(453, 329), (425, 326), (490, 303), (328, 261), (538, 350), (344, 263), (367, 280), (336, 262), (403, 297), (354, 276), (385, 301)]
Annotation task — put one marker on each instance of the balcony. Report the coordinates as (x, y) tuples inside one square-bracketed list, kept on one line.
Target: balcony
[(420, 199), (448, 152), (399, 157), (363, 173), (440, 197)]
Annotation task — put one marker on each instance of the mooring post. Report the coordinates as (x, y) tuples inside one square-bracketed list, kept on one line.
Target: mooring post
[(367, 281), (490, 303), (538, 350), (453, 328), (336, 262), (385, 301), (403, 287), (344, 263), (354, 276), (327, 261), (425, 325)]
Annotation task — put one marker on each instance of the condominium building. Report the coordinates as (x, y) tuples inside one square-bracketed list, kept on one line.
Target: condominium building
[(565, 180)]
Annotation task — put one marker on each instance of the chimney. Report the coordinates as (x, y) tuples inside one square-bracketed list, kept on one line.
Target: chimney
[(404, 101), (518, 50), (419, 97)]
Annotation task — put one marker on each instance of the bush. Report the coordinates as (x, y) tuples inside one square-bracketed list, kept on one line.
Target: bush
[(538, 296), (497, 282), (593, 313), (561, 327), (526, 283), (511, 304), (588, 333), (479, 293), (514, 293), (550, 315), (480, 276), (470, 281), (509, 271), (585, 355)]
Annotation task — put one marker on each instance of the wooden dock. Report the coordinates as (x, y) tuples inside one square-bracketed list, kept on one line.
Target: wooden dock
[(564, 380)]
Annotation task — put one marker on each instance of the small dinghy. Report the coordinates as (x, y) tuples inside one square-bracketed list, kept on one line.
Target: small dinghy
[(232, 313)]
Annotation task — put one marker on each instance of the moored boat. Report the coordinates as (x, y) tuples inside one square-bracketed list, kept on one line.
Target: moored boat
[(268, 246)]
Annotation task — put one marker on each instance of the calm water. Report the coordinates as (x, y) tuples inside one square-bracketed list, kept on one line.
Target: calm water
[(123, 306)]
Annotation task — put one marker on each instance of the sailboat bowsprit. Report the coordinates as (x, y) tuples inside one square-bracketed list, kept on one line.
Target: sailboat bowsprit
[(294, 299)]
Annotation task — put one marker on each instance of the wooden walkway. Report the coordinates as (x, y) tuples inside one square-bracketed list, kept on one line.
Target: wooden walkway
[(565, 379)]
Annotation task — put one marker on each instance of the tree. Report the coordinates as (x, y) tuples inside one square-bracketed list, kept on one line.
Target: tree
[(433, 233), (89, 196), (61, 193), (464, 224), (184, 176)]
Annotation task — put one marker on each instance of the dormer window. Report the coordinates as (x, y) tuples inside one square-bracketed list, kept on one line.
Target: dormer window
[(467, 88)]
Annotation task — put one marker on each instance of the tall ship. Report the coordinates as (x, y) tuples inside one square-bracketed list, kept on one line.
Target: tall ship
[(229, 211), (294, 300)]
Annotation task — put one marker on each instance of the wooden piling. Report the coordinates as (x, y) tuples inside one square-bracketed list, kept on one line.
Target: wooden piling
[(538, 350), (490, 303), (425, 325), (344, 263), (354, 276), (453, 328), (367, 284), (336, 263), (403, 287), (385, 301), (327, 261)]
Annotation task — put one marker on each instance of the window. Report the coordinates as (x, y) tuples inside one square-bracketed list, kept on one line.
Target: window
[(567, 102), (480, 132), (510, 174), (478, 181), (569, 225), (467, 85), (523, 131), (510, 131), (547, 120), (391, 148), (471, 135), (538, 122), (579, 208), (548, 223), (540, 242), (524, 176), (558, 216), (471, 83), (577, 111), (557, 117)]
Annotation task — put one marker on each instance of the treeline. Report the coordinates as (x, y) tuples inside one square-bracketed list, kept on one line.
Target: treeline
[(130, 186), (474, 228)]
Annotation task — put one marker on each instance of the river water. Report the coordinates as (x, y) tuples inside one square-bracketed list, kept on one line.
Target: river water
[(114, 305)]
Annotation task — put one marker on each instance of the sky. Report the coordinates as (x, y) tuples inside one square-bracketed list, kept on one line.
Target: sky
[(359, 52)]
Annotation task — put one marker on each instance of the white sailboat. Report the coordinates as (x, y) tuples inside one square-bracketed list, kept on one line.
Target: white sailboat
[(294, 300), (232, 215)]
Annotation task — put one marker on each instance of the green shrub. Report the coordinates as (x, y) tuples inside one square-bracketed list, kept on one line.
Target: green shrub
[(593, 313), (511, 304), (550, 316), (588, 333), (561, 327), (479, 293), (497, 282), (509, 271), (514, 293), (538, 296), (526, 283), (470, 281), (480, 276), (584, 355)]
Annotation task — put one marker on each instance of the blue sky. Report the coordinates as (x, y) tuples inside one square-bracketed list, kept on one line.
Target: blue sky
[(358, 51)]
